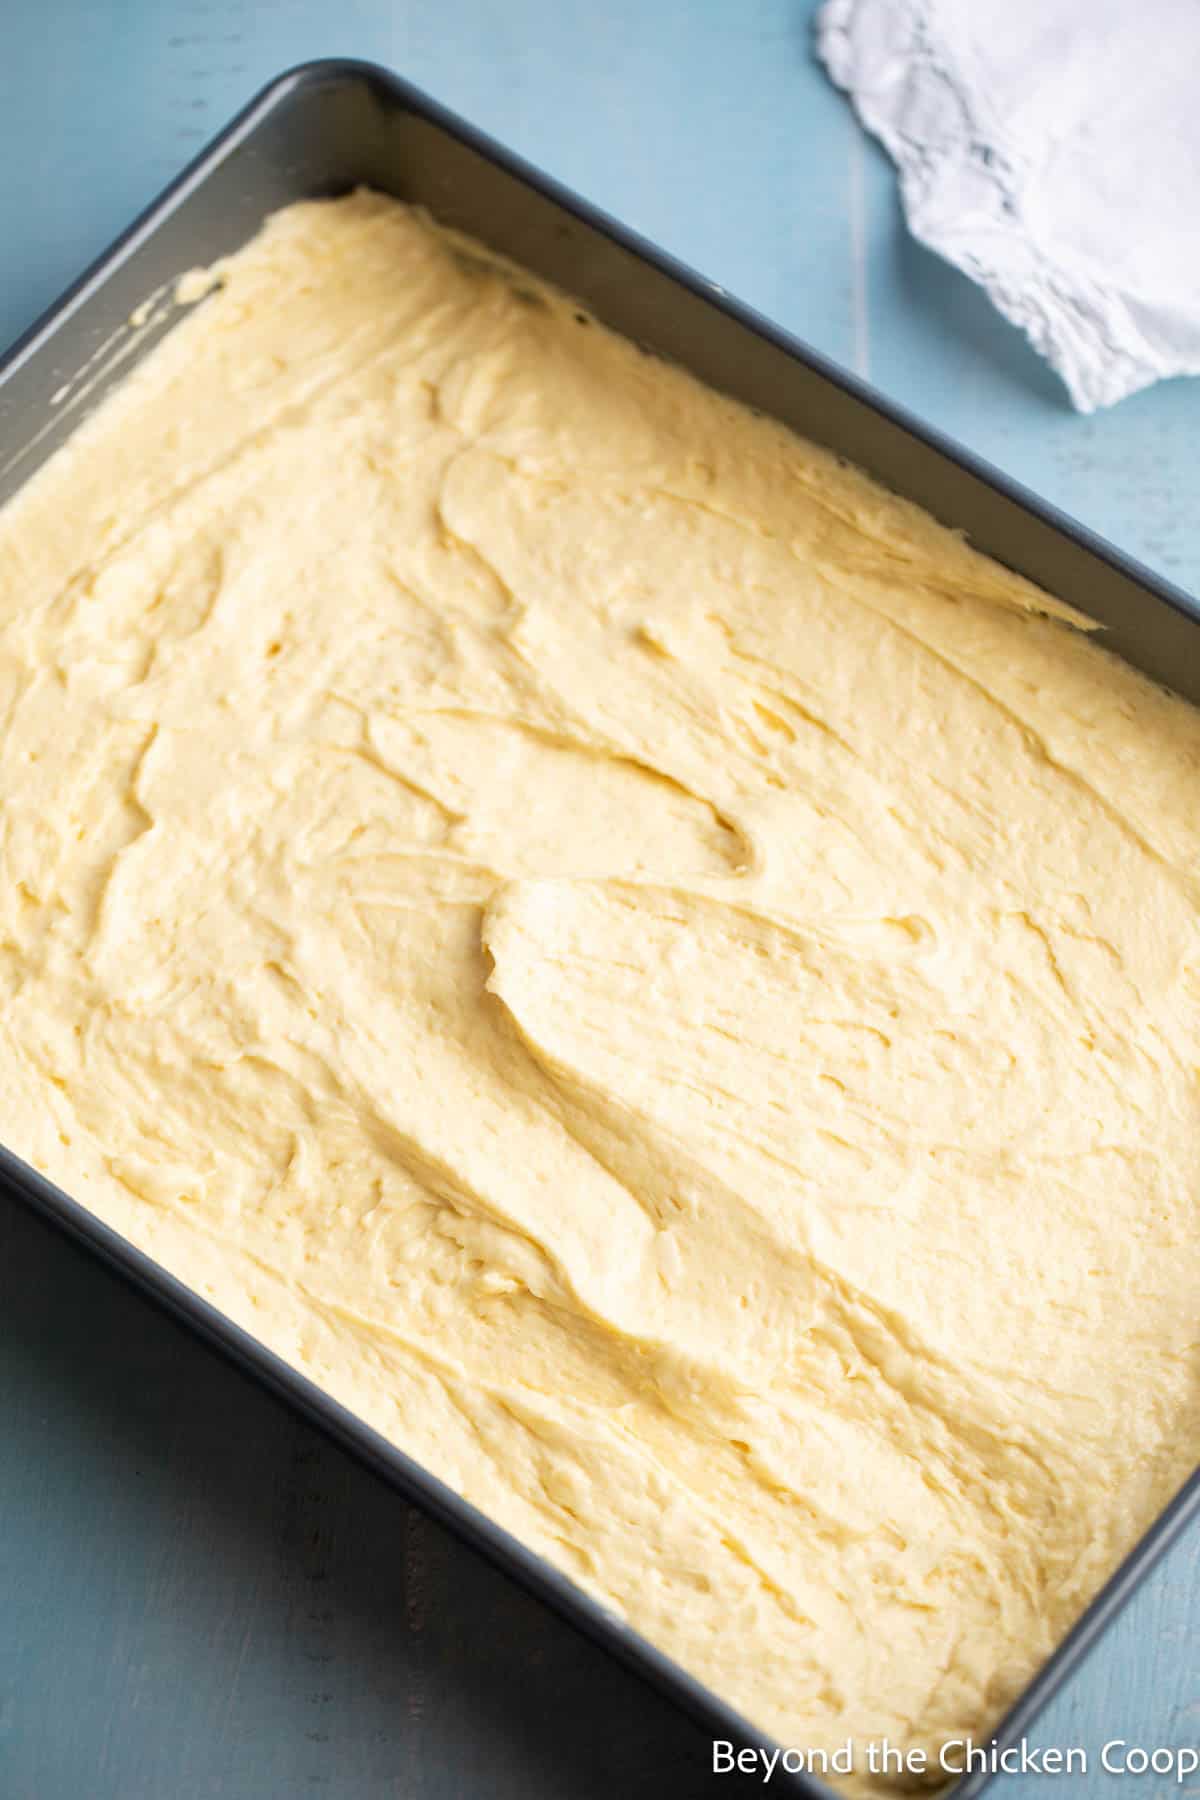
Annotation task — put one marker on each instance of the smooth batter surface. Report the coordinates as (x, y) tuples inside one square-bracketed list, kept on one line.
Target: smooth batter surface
[(633, 958)]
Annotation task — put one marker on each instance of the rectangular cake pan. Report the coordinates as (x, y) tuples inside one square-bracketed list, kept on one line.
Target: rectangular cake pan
[(330, 126)]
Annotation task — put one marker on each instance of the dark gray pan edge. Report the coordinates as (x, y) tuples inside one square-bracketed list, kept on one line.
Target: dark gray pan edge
[(382, 1457), (330, 126)]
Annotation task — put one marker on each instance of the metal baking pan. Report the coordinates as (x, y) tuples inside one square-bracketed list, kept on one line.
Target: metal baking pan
[(330, 126)]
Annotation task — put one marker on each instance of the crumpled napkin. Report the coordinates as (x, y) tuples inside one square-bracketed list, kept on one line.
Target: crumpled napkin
[(1050, 149)]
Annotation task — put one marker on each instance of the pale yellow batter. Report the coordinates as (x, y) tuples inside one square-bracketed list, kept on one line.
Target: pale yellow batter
[(633, 958)]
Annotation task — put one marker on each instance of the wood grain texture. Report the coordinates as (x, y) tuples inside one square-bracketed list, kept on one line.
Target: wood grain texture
[(199, 1595)]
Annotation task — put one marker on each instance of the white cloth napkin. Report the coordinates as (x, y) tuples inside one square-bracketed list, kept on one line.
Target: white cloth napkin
[(1050, 149)]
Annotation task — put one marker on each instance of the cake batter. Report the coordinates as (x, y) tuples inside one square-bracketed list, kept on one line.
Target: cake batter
[(661, 979)]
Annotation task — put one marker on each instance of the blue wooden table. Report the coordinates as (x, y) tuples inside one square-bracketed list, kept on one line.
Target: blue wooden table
[(198, 1596)]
